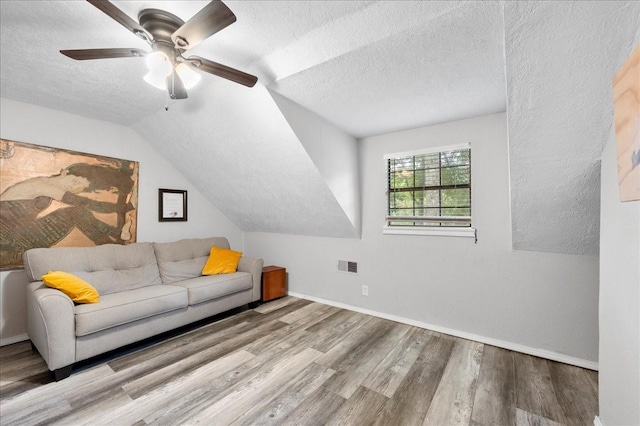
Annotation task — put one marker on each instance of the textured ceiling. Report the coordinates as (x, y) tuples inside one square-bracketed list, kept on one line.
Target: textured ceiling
[(244, 156), (559, 115), (369, 68), (448, 68)]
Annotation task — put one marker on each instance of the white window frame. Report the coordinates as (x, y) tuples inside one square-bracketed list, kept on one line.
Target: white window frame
[(450, 231)]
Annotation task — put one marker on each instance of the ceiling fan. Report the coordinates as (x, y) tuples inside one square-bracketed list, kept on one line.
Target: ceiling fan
[(170, 37)]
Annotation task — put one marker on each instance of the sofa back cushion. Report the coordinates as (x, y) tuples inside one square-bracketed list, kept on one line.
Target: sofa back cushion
[(184, 259), (109, 268)]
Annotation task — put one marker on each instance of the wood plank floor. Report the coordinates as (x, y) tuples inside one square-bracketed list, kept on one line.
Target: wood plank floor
[(296, 362)]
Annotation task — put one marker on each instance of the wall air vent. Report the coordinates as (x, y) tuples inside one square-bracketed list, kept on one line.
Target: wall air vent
[(348, 266)]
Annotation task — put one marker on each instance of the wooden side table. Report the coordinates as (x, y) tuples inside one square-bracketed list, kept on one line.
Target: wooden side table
[(274, 282)]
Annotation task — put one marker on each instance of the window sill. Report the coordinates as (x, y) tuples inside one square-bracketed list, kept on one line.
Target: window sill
[(440, 232)]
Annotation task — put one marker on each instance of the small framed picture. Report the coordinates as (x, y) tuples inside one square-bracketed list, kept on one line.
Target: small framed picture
[(172, 205)]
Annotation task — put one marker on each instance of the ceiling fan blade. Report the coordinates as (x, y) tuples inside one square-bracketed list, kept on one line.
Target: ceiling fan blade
[(208, 21), (223, 71), (122, 18), (84, 54), (176, 87)]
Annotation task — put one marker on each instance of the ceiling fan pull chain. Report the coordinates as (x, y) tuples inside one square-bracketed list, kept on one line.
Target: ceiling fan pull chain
[(166, 100)]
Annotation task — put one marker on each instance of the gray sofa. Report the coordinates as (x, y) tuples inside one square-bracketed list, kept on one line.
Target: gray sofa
[(145, 289)]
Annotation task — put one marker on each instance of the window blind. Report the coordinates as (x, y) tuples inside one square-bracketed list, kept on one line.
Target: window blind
[(429, 189)]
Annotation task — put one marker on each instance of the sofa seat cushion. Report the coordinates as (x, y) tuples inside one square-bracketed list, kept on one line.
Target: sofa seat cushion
[(127, 306), (210, 287)]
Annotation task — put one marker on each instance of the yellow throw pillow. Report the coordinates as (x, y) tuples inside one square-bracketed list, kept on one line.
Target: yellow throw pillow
[(221, 261), (76, 288)]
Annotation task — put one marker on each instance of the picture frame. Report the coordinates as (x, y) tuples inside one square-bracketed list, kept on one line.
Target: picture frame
[(172, 205), (626, 113)]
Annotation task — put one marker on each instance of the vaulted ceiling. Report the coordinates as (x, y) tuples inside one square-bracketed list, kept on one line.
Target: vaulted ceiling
[(363, 67)]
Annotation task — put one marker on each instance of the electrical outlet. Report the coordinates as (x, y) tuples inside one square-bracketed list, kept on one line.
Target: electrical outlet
[(365, 290)]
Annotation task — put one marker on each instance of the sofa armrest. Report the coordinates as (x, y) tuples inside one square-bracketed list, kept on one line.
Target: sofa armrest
[(253, 265), (51, 324)]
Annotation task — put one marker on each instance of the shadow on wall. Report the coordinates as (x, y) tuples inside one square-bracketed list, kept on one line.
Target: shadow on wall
[(13, 306)]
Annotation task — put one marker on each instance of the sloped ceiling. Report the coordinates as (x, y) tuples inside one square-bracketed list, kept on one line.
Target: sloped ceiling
[(443, 68), (559, 113), (243, 154), (368, 67)]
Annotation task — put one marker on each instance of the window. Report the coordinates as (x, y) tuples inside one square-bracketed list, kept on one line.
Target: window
[(429, 190)]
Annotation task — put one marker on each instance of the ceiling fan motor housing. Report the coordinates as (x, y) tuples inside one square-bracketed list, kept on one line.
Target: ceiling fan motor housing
[(161, 24)]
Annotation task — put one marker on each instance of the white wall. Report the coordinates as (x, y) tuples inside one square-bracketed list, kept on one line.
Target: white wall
[(541, 303), (28, 123), (619, 379)]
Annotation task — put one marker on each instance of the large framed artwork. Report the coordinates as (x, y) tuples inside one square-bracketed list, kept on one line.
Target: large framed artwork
[(626, 96), (52, 197)]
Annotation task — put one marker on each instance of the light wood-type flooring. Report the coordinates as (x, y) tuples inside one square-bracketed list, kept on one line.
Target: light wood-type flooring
[(296, 362)]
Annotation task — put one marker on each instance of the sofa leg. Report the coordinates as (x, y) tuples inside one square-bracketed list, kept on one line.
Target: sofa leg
[(253, 305), (33, 348), (62, 373)]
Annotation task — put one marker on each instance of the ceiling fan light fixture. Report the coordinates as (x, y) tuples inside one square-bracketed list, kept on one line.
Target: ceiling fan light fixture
[(156, 80), (188, 76), (159, 63)]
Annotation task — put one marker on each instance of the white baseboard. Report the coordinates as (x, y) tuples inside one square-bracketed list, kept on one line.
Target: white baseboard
[(542, 353), (14, 339), (597, 422)]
